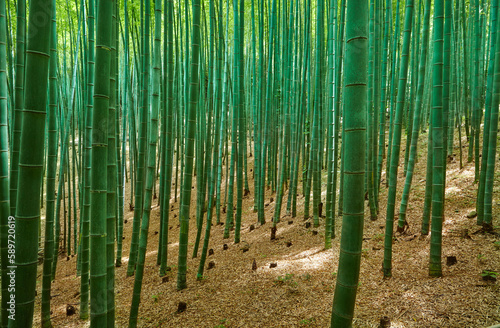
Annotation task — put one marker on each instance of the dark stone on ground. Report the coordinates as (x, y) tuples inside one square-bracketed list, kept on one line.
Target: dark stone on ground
[(245, 247), (181, 307), (385, 322), (471, 214), (451, 260), (70, 310)]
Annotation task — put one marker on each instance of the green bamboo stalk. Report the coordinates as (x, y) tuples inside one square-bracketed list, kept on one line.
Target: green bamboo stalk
[(168, 121), (416, 119), (18, 100), (396, 141), (189, 148), (487, 117), (4, 164), (31, 160), (85, 241), (331, 188), (394, 87), (356, 79), (111, 199), (151, 162), (143, 128), (51, 177), (438, 176), (99, 155), (492, 136)]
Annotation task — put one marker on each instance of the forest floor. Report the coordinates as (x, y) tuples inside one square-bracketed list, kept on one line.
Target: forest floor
[(298, 292)]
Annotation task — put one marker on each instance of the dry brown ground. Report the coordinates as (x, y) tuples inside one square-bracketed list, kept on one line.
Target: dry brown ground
[(233, 295)]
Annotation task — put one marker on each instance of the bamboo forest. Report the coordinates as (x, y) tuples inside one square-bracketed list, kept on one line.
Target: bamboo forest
[(249, 163)]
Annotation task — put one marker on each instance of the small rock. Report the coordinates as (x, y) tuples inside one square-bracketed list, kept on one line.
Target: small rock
[(70, 310), (471, 214), (308, 225), (210, 252), (164, 279), (225, 247), (273, 265), (125, 221), (254, 265), (451, 260), (181, 307), (315, 232), (252, 227), (245, 247), (288, 243), (290, 222), (211, 265), (271, 200), (385, 322), (156, 232)]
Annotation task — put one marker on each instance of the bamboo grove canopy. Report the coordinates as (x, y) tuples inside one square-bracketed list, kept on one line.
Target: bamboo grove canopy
[(177, 98)]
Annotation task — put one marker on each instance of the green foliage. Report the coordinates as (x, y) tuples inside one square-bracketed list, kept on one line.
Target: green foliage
[(287, 279), (306, 276), (490, 274), (306, 322), (221, 325)]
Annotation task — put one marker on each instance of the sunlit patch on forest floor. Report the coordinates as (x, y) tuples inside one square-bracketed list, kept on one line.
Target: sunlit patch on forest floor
[(298, 292)]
